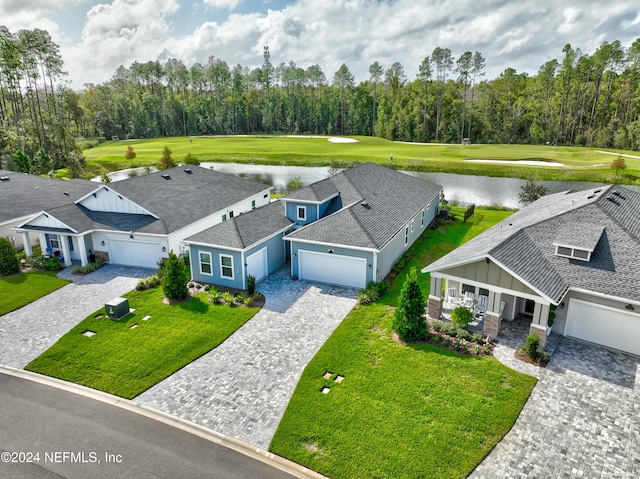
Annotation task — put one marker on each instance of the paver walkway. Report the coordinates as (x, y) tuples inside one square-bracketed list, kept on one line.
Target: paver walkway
[(242, 387), (29, 331), (582, 419)]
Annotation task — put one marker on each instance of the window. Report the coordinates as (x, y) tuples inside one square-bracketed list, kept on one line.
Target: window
[(253, 204), (406, 236), (226, 266), (230, 214), (70, 243), (224, 217), (412, 226), (422, 219), (54, 242), (302, 212), (205, 263)]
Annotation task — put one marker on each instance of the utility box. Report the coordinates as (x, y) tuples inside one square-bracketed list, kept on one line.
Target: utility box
[(117, 308)]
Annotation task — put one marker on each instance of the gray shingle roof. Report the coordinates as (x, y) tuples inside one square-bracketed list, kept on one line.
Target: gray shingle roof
[(523, 243), (390, 200), (579, 235), (245, 230), (23, 195), (319, 191), (186, 197)]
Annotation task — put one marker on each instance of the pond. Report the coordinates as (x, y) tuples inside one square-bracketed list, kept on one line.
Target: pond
[(462, 189)]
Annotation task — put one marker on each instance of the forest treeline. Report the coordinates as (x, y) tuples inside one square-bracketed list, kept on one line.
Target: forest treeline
[(588, 99)]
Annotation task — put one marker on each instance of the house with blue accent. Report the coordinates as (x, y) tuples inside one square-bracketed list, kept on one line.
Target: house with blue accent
[(346, 230)]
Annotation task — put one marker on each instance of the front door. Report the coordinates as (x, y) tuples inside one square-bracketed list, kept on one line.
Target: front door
[(529, 307)]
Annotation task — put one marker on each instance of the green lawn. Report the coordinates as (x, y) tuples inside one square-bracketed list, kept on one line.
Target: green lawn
[(401, 411), (580, 163), (23, 288), (124, 361)]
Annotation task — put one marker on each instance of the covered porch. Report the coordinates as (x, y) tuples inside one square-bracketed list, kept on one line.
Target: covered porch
[(493, 306), (70, 248)]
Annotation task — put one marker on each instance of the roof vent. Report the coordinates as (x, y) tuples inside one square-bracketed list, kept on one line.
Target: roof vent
[(618, 194), (597, 191), (4, 178), (613, 200), (66, 193), (591, 197), (166, 176), (187, 170)]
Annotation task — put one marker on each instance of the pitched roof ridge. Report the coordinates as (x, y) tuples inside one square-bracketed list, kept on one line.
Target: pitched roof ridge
[(237, 230), (612, 218), (329, 216), (361, 225), (345, 175)]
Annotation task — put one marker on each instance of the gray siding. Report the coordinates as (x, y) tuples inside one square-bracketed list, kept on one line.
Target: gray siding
[(392, 251), (296, 247)]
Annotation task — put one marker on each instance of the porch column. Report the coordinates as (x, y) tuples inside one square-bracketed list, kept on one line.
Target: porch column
[(492, 317), (539, 322), (64, 239), (434, 302), (26, 242), (82, 250)]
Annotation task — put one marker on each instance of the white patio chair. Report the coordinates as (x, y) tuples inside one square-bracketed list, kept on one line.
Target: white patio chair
[(468, 299), (481, 307), (452, 295)]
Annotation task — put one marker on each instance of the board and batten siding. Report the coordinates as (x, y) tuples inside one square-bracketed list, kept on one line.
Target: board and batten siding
[(108, 200), (489, 274)]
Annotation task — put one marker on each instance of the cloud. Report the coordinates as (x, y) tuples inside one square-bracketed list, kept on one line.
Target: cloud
[(30, 14), (222, 4), (521, 35)]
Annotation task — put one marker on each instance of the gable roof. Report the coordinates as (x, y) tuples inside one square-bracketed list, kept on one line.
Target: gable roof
[(524, 244), (375, 203), (188, 194), (245, 230), (23, 195)]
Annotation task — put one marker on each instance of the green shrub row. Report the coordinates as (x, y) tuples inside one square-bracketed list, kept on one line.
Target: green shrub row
[(49, 264), (89, 268), (372, 292)]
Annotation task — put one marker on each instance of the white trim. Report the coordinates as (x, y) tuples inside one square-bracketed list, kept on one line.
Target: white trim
[(78, 201), (25, 218), (412, 224), (322, 243), (233, 276), (375, 266), (601, 295), (310, 202), (241, 250), (364, 261), (304, 216), (37, 215), (200, 263), (495, 289)]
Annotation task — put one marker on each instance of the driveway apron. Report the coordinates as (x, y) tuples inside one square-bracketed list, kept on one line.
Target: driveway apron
[(242, 387), (29, 331), (582, 419)]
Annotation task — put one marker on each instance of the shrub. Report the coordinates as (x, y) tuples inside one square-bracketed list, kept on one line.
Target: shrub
[(215, 295), (89, 268), (49, 264), (207, 287), (476, 338), (379, 287), (256, 296), (9, 262), (228, 297), (531, 347), (152, 281), (552, 318), (409, 318), (174, 284), (367, 296), (247, 300), (191, 160), (461, 316), (251, 284)]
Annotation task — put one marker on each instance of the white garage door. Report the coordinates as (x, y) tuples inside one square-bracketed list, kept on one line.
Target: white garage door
[(134, 253), (603, 325), (332, 268), (257, 264)]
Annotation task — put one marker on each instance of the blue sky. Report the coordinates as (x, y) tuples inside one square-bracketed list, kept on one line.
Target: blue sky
[(96, 37)]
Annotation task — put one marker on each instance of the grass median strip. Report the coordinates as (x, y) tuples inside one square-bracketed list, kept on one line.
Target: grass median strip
[(405, 411), (126, 362), (21, 289)]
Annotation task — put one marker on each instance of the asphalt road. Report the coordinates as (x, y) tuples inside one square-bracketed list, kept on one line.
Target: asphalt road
[(71, 436)]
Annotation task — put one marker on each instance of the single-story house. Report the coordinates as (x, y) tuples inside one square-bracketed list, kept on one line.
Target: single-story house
[(347, 230), (134, 222), (573, 254)]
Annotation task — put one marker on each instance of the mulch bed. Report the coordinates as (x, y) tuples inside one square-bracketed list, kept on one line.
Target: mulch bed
[(542, 363), (441, 343)]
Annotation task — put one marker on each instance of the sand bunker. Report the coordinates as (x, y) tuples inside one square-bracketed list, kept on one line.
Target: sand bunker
[(332, 139), (518, 162)]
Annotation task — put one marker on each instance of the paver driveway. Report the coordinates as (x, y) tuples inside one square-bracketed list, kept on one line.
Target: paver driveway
[(242, 387), (581, 421), (29, 331)]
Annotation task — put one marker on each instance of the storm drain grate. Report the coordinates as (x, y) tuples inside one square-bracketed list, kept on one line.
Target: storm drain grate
[(339, 379), (89, 333), (327, 375), (325, 390)]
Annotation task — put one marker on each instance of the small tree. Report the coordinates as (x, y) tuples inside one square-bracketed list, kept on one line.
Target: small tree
[(130, 154), (21, 162), (532, 191), (9, 262), (105, 178), (409, 319), (174, 283), (531, 347), (294, 184), (166, 161), (191, 160), (75, 163), (251, 284), (619, 164), (42, 162)]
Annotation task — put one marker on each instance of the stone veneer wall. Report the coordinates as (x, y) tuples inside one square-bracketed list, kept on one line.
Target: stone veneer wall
[(434, 307), (542, 334), (102, 254), (492, 324)]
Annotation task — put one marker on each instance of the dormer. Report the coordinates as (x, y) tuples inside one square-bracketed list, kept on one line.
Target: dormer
[(578, 241), (310, 203)]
